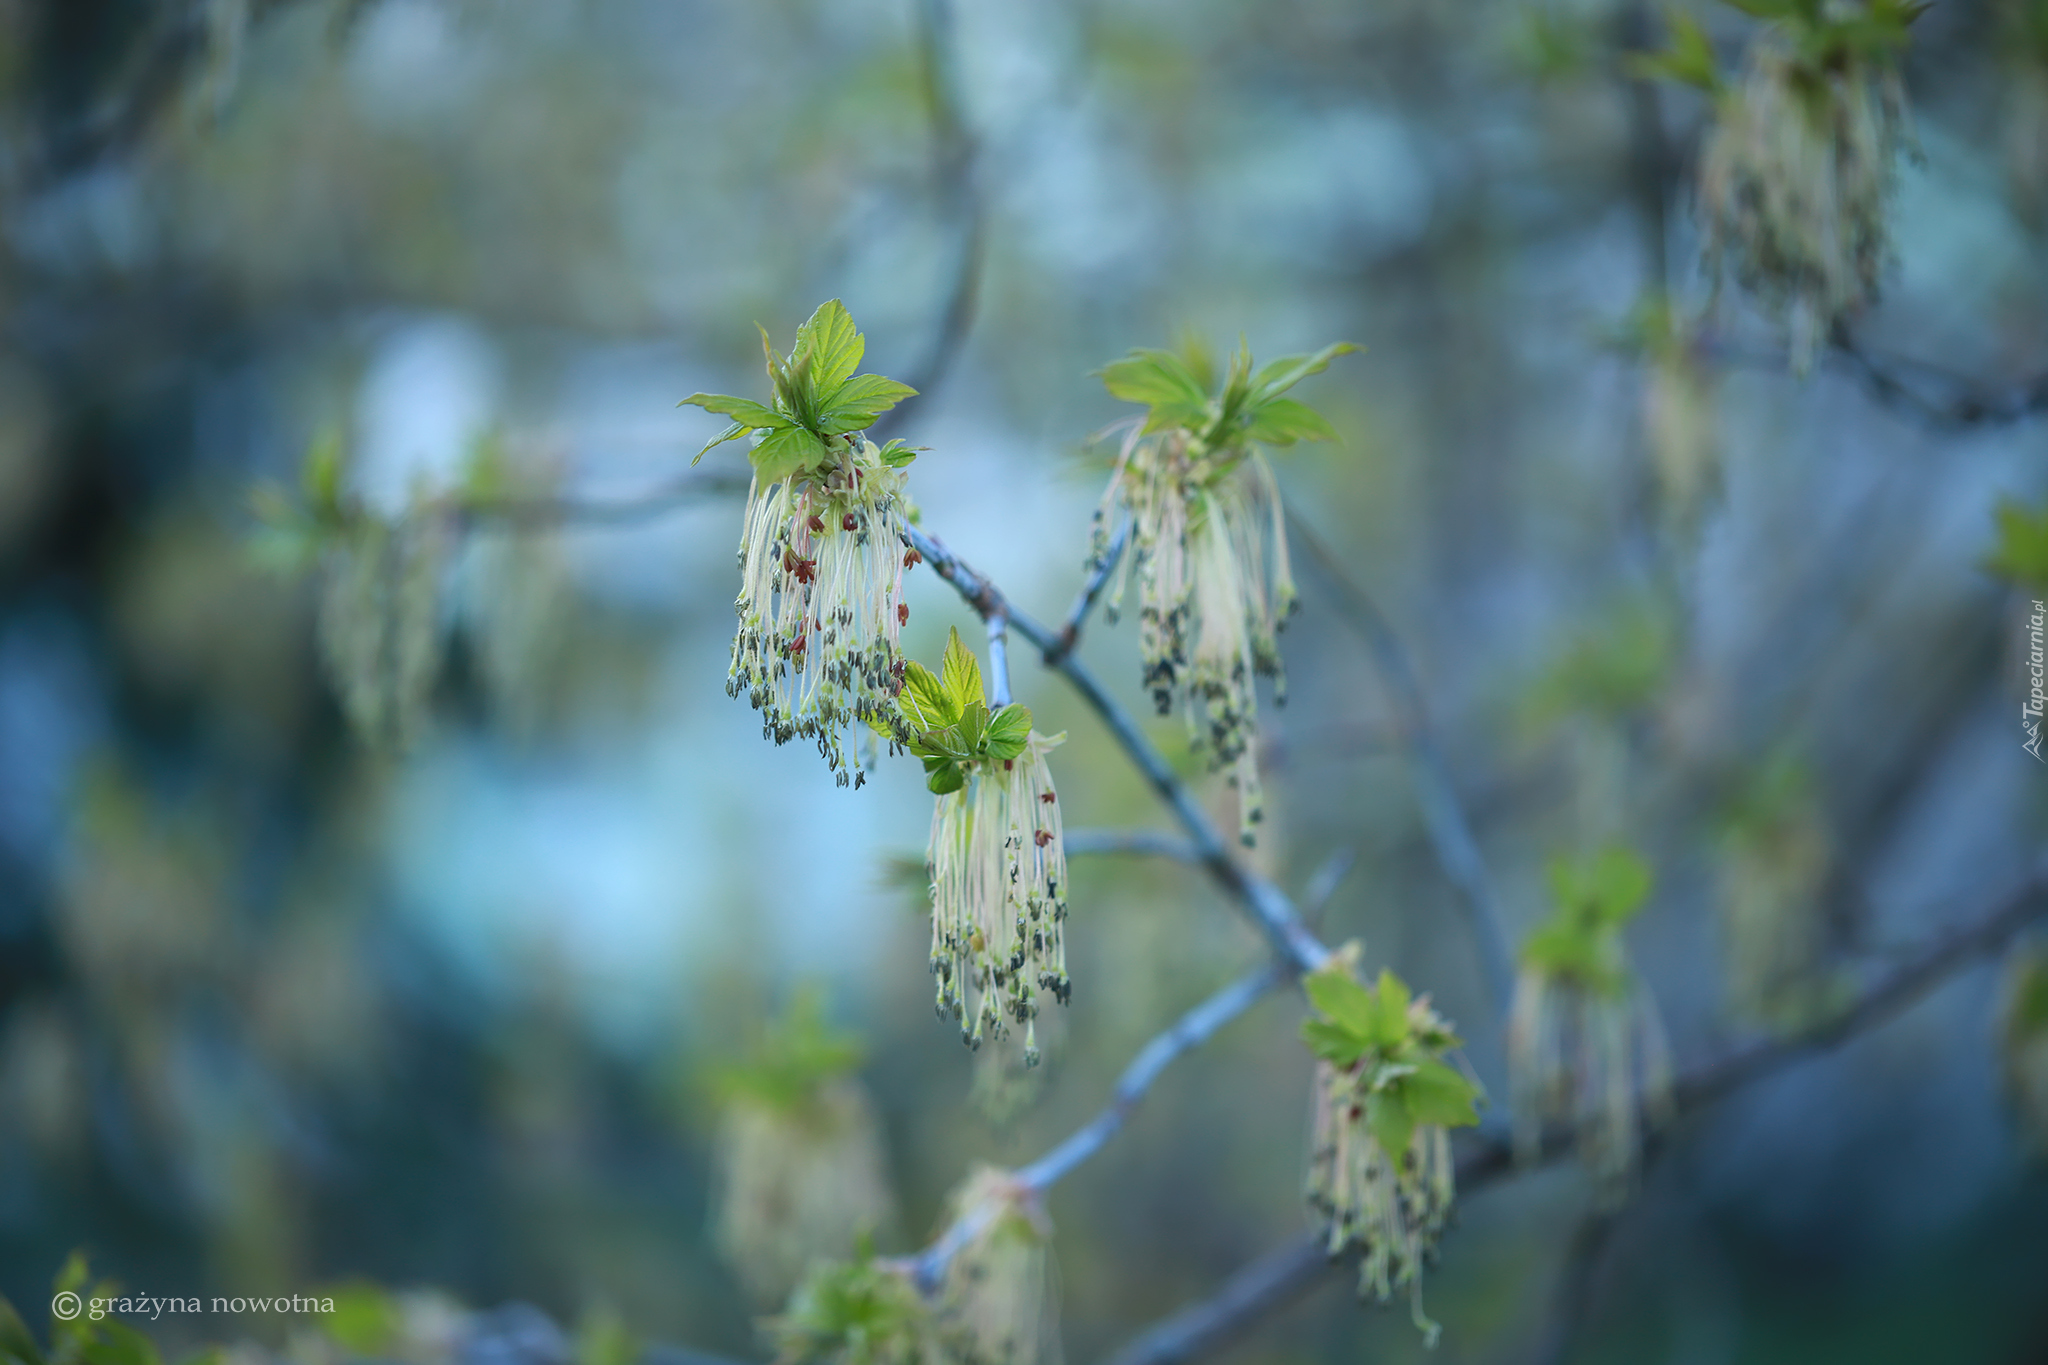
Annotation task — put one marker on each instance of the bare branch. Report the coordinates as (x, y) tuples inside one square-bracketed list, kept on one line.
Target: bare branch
[(1098, 576), (1186, 1034), (1278, 1278), (1450, 831), (999, 659), (1937, 398)]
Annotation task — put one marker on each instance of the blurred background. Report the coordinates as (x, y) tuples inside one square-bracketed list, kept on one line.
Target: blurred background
[(282, 1007)]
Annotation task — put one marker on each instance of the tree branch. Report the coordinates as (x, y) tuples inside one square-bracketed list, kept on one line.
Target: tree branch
[(1937, 398), (1186, 1034), (1264, 903), (1098, 576), (1276, 1279), (1449, 829)]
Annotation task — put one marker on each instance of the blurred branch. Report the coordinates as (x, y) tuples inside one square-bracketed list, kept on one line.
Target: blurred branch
[(537, 513), (1098, 576), (1278, 1278), (1157, 843), (1938, 398), (1264, 903), (1450, 831), (1187, 1033), (953, 158), (999, 660)]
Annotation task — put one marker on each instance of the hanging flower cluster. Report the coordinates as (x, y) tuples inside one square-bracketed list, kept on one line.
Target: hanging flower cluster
[(999, 1290), (1585, 1045), (2023, 1035), (1797, 169), (800, 1162), (1774, 865), (1209, 539), (1380, 1174), (998, 866), (821, 554), (1678, 417)]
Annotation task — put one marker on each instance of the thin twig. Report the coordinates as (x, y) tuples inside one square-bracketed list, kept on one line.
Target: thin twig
[(1084, 602), (1276, 1279), (1443, 817), (999, 660), (1153, 842), (1186, 1034), (1267, 906)]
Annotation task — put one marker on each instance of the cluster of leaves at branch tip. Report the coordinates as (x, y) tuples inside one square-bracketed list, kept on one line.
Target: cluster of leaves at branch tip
[(1208, 538), (2020, 553), (1585, 1044), (81, 1340), (864, 1311), (2023, 1040), (821, 553), (997, 856), (1776, 856), (1797, 170), (801, 1169), (1380, 1173)]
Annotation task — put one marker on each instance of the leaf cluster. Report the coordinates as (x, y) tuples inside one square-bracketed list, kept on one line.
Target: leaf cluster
[(80, 1340), (1824, 38), (858, 1312), (2021, 554), (1248, 407), (795, 1057), (950, 722), (1393, 1043), (290, 534), (1595, 899), (818, 400)]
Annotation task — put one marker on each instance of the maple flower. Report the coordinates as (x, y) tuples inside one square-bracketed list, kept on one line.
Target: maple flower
[(1209, 539), (801, 1169), (998, 864), (1380, 1175), (1585, 1044), (1797, 170), (999, 1293), (821, 552)]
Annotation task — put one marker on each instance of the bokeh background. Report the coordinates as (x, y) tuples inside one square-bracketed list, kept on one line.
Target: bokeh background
[(280, 1008)]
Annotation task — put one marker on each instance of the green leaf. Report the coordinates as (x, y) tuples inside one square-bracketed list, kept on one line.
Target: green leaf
[(116, 1343), (1283, 421), (1340, 998), (833, 347), (1008, 731), (1392, 1126), (1689, 60), (973, 726), (1391, 1000), (859, 401), (924, 700), (786, 453), (1155, 378), (1332, 1042), (946, 778), (960, 671), (1276, 377), (1439, 1094), (16, 1343), (321, 475), (745, 411), (896, 454), (2021, 554)]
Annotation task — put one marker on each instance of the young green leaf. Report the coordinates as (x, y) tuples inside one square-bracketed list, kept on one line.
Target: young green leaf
[(946, 778), (1392, 1126), (1439, 1094), (1341, 999), (786, 453), (1283, 421), (1689, 60), (1276, 377), (924, 700), (832, 346), (1156, 379), (1008, 731), (960, 671), (1333, 1043)]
